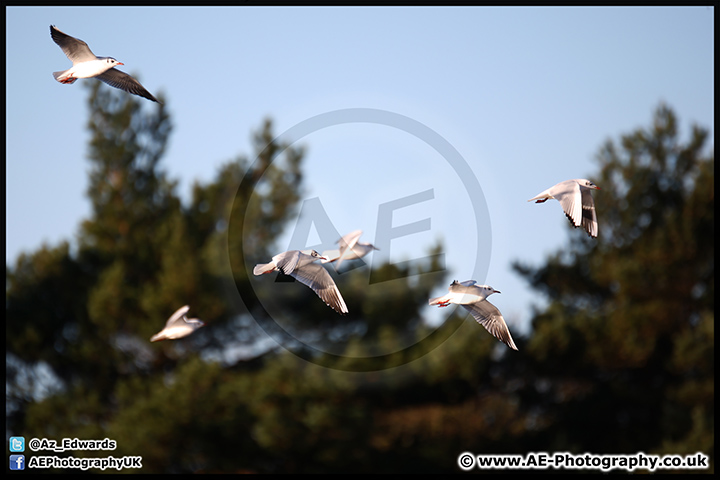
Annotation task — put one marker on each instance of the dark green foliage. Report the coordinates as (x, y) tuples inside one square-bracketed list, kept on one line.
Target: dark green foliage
[(621, 361), (627, 342)]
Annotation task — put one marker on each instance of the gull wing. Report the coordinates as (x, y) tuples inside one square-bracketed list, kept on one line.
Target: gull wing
[(467, 287), (571, 202), (589, 217), (177, 317), (119, 79), (75, 49), (487, 315), (316, 277), (347, 243)]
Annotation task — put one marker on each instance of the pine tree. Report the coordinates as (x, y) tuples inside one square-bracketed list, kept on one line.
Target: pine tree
[(623, 355)]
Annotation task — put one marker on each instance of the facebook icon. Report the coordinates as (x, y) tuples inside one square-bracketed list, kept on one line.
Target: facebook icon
[(17, 462)]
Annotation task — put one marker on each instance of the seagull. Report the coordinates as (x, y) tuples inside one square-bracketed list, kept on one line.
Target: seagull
[(300, 265), (87, 65), (576, 201), (350, 249), (178, 326), (473, 298)]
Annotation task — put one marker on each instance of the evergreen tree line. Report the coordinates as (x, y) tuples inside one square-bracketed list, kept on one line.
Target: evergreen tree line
[(621, 360)]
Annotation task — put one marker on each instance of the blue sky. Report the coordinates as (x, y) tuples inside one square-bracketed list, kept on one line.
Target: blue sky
[(525, 96)]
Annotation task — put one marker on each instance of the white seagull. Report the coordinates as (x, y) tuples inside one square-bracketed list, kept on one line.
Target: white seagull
[(576, 201), (178, 326), (87, 65), (350, 249), (473, 298), (300, 265)]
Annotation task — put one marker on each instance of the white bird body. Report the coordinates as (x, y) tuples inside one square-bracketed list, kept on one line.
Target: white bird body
[(473, 298), (350, 249), (87, 65), (178, 326), (89, 69), (576, 201), (300, 264)]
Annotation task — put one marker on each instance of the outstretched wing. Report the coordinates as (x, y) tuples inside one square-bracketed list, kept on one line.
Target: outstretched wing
[(571, 202), (347, 243), (487, 315), (119, 79), (316, 277), (177, 316), (467, 287), (589, 217), (75, 49)]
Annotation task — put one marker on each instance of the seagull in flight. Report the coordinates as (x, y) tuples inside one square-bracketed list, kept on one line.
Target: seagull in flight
[(473, 298), (576, 201), (87, 65), (178, 326), (300, 264), (350, 249)]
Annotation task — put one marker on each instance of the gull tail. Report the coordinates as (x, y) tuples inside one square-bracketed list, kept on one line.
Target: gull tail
[(261, 268), (437, 300), (540, 198), (63, 78)]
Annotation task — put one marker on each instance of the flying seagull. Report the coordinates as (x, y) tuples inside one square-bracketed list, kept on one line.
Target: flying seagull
[(178, 326), (350, 249), (300, 265), (87, 65), (473, 298), (576, 201)]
